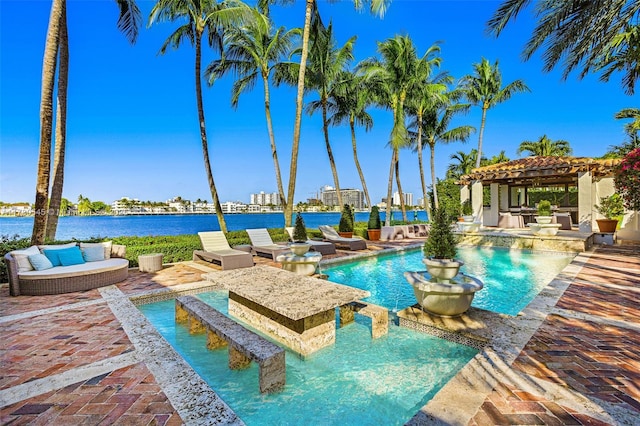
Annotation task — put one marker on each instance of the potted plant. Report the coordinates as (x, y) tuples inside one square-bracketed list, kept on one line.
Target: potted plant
[(374, 225), (440, 248), (345, 227), (467, 211), (544, 212), (299, 246), (610, 207)]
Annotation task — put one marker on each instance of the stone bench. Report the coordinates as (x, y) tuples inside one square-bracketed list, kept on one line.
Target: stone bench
[(379, 316), (244, 345)]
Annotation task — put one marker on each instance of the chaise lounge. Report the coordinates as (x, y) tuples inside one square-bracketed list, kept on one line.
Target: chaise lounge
[(332, 236), (217, 250), (263, 245), (322, 247)]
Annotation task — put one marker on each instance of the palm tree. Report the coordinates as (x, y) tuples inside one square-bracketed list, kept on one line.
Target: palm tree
[(393, 78), (200, 17), (55, 201), (633, 128), (496, 159), (484, 88), (463, 164), (128, 23), (434, 128), (256, 51), (587, 34), (351, 100), (326, 61), (545, 147), (377, 7)]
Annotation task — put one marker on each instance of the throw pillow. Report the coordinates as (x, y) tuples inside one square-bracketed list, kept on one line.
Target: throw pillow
[(56, 246), (70, 256), (106, 245), (40, 262), (93, 254), (22, 258), (52, 255)]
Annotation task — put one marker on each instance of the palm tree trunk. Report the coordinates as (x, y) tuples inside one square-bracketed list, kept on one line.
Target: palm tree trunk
[(403, 207), (332, 161), (293, 169), (432, 149), (484, 118), (203, 134), (355, 159), (272, 139), (425, 200), (61, 129), (46, 123), (387, 219)]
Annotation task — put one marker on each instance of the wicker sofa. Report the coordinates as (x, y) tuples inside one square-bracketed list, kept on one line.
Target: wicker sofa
[(67, 279)]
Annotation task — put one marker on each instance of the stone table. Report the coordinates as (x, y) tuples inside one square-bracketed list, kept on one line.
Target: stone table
[(295, 310), (150, 262)]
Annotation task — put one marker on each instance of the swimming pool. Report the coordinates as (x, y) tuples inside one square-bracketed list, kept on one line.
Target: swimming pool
[(512, 278), (360, 380), (356, 381)]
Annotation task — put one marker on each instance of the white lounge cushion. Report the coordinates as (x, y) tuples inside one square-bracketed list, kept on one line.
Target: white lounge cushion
[(106, 245), (56, 246), (22, 258), (75, 270)]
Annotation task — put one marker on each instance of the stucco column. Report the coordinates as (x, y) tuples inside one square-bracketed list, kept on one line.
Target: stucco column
[(465, 194), (585, 202), (504, 198), (492, 219), (476, 201)]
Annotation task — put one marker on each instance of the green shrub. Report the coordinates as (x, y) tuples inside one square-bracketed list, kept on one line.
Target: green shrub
[(374, 218), (441, 243), (299, 232), (544, 208), (346, 219)]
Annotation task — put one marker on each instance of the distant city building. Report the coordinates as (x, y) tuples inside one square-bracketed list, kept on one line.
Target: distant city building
[(408, 198), (353, 197), (265, 199), (233, 207)]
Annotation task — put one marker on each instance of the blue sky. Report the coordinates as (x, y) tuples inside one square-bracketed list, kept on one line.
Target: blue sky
[(132, 125)]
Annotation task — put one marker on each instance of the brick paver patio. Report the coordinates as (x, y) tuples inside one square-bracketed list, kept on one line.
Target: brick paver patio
[(68, 360)]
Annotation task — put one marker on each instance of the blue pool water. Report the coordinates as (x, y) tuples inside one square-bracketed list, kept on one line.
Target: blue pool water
[(512, 278), (357, 381)]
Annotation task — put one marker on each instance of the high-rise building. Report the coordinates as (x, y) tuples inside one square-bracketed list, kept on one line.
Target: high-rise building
[(265, 199), (353, 197), (408, 198)]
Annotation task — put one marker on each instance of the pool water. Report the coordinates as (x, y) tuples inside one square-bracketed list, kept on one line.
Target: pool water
[(356, 381), (512, 278)]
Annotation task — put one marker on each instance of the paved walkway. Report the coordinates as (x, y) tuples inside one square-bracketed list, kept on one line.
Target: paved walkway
[(82, 358)]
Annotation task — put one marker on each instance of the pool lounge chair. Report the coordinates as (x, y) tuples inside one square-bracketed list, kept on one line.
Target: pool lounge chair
[(332, 236), (322, 247), (263, 245), (217, 250)]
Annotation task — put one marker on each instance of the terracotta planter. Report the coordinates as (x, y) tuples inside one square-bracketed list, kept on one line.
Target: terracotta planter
[(346, 234), (373, 234), (607, 225)]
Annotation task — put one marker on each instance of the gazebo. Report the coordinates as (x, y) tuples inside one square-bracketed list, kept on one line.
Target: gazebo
[(577, 183)]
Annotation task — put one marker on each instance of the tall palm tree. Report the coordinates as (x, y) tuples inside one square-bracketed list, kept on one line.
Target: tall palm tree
[(326, 61), (435, 129), (55, 201), (496, 159), (128, 23), (422, 101), (377, 7), (587, 34), (463, 163), (545, 147), (351, 100), (393, 78), (256, 51), (200, 17), (484, 88)]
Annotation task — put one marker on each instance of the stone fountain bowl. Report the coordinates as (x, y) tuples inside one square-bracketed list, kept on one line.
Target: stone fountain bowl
[(450, 299)]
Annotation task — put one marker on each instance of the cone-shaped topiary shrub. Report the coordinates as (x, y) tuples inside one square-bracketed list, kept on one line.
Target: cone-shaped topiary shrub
[(441, 243)]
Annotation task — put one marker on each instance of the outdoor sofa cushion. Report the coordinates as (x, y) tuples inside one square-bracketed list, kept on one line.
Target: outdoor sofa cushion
[(75, 270)]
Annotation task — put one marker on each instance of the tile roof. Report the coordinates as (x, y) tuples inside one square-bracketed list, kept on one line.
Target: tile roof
[(541, 166)]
